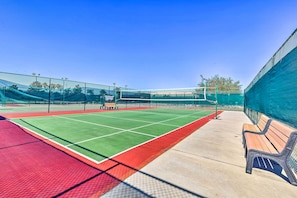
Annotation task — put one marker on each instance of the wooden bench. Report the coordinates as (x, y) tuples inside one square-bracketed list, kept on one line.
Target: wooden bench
[(276, 143), (110, 105), (260, 127)]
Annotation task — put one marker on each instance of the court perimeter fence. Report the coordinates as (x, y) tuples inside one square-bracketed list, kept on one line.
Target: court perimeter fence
[(274, 89), (31, 93)]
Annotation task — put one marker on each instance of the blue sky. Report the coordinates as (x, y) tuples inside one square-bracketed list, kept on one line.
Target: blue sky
[(143, 44)]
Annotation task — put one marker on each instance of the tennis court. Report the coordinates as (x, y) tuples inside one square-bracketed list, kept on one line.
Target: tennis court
[(91, 152), (102, 135)]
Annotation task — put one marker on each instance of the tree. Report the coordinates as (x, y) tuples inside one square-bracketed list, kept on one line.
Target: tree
[(35, 86), (45, 85), (67, 91), (52, 86), (101, 96), (77, 89), (14, 87), (59, 87), (223, 84), (102, 92), (90, 92)]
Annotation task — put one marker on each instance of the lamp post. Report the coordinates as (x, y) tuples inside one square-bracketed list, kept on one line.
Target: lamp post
[(36, 75), (114, 92), (36, 85), (126, 100), (64, 79)]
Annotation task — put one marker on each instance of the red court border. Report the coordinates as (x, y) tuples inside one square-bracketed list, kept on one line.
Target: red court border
[(132, 160)]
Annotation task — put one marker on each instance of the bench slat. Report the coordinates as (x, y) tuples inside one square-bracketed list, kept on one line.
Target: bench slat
[(251, 127), (278, 134), (259, 142), (278, 143), (286, 130), (262, 123), (260, 126)]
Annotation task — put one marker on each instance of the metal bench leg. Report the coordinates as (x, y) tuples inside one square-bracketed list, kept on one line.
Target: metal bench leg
[(290, 174), (249, 162), (245, 151), (243, 140)]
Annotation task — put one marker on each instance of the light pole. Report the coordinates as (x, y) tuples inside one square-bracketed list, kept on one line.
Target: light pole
[(64, 79), (36, 85), (36, 75), (114, 92), (126, 100)]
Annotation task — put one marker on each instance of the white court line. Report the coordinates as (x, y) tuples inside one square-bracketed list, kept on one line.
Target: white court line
[(155, 113), (98, 115), (91, 159), (103, 136), (125, 130), (151, 139), (121, 130)]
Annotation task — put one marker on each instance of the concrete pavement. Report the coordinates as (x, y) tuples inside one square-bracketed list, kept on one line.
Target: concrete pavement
[(209, 163)]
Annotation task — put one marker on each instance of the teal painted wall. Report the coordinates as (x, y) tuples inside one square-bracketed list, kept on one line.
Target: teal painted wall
[(275, 93)]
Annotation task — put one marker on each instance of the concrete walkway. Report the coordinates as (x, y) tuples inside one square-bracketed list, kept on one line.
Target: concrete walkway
[(211, 163)]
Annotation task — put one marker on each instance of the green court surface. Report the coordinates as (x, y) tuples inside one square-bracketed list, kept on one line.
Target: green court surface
[(102, 135)]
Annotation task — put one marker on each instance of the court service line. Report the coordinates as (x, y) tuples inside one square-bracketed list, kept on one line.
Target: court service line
[(154, 112), (186, 115), (99, 137), (151, 139), (149, 112), (97, 115), (122, 130), (128, 130)]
